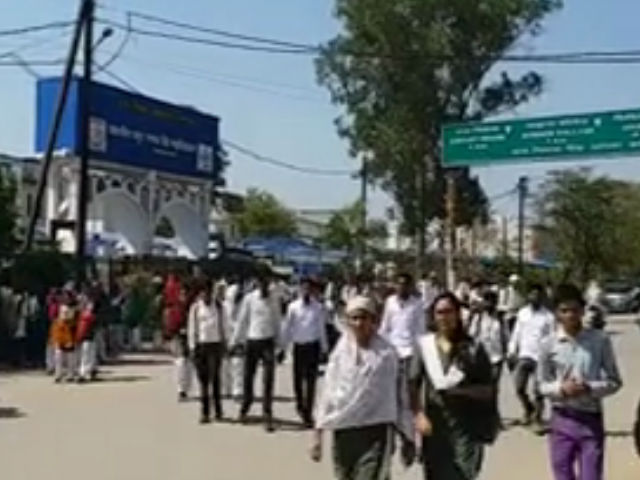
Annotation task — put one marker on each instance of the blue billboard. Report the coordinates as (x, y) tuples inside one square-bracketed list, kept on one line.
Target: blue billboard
[(132, 130)]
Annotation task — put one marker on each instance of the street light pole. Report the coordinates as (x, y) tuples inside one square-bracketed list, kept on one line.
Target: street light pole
[(85, 114), (55, 126)]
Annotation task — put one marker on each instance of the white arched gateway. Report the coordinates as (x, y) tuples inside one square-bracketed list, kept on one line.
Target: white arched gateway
[(190, 229)]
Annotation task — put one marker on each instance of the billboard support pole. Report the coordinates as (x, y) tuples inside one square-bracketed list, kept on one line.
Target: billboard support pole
[(55, 127), (85, 99)]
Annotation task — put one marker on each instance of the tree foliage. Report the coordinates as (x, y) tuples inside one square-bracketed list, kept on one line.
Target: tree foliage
[(344, 229), (592, 222), (403, 68), (8, 214), (264, 215)]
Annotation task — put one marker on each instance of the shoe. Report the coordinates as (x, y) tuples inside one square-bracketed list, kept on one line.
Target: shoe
[(242, 418), (309, 423), (219, 416), (205, 419), (540, 428), (269, 427), (182, 397), (526, 420)]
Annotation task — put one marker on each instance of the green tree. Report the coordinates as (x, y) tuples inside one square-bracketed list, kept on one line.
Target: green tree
[(8, 214), (344, 229), (403, 68), (592, 223), (263, 214)]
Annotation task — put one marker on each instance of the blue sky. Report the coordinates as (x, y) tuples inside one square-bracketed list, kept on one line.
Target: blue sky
[(272, 104)]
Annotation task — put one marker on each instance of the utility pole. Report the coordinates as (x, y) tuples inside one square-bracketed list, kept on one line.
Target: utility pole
[(364, 177), (449, 229), (523, 191), (85, 114), (55, 125)]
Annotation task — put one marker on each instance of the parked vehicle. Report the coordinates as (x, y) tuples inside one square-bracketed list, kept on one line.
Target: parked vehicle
[(621, 296)]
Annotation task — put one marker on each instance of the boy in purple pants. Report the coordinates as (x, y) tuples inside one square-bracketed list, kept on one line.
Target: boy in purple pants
[(577, 370)]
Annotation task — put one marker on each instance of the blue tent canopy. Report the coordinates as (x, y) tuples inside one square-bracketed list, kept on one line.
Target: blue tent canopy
[(307, 259)]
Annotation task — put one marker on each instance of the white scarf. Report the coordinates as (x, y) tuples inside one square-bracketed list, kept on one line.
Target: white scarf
[(433, 365), (361, 387)]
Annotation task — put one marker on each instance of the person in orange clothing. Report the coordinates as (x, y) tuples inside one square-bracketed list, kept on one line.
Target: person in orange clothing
[(64, 340)]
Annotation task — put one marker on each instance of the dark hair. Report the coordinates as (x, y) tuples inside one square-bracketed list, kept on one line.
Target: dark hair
[(457, 305), (535, 287), (490, 296), (567, 292), (407, 277)]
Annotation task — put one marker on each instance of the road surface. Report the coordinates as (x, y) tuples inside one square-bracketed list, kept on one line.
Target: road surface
[(130, 427)]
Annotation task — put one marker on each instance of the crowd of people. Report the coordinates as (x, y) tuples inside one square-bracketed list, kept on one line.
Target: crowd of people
[(410, 367)]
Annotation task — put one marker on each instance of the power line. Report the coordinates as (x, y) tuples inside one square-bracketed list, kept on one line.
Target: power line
[(31, 63), (282, 164), (222, 33), (36, 28), (269, 45), (503, 195), (203, 41), (246, 84)]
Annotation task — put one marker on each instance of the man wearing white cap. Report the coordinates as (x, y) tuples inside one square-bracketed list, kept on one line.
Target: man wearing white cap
[(361, 401)]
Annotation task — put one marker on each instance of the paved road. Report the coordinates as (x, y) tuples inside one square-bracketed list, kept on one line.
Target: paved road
[(130, 427)]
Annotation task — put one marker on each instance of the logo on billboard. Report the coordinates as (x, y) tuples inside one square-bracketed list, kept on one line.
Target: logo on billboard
[(98, 135), (205, 158)]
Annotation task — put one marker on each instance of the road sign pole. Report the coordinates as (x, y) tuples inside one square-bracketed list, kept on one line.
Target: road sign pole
[(523, 190), (449, 230)]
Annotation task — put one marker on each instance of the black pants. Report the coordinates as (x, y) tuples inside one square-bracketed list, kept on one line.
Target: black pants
[(208, 360), (264, 351), (306, 360), (526, 371)]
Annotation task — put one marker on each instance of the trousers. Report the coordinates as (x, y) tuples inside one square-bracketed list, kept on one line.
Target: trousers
[(65, 364), (363, 453), (87, 359), (182, 363), (208, 360), (524, 373), (576, 445), (259, 351), (306, 362)]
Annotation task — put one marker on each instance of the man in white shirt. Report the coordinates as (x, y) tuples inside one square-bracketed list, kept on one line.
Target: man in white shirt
[(258, 327), (403, 319), (306, 328), (207, 340), (510, 301), (533, 326)]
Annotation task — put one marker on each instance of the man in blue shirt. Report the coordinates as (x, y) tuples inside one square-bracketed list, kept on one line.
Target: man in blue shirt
[(577, 369)]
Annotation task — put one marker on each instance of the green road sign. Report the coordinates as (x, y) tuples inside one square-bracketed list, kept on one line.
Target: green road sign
[(542, 139)]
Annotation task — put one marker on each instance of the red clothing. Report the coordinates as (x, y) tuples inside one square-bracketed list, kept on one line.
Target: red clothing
[(85, 326), (173, 313)]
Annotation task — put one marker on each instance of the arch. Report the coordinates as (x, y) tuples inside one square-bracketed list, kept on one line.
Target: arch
[(120, 221), (191, 229)]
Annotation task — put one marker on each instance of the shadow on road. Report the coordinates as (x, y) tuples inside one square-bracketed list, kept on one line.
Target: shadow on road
[(11, 413), (258, 420), (619, 433), (122, 379), (133, 361)]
